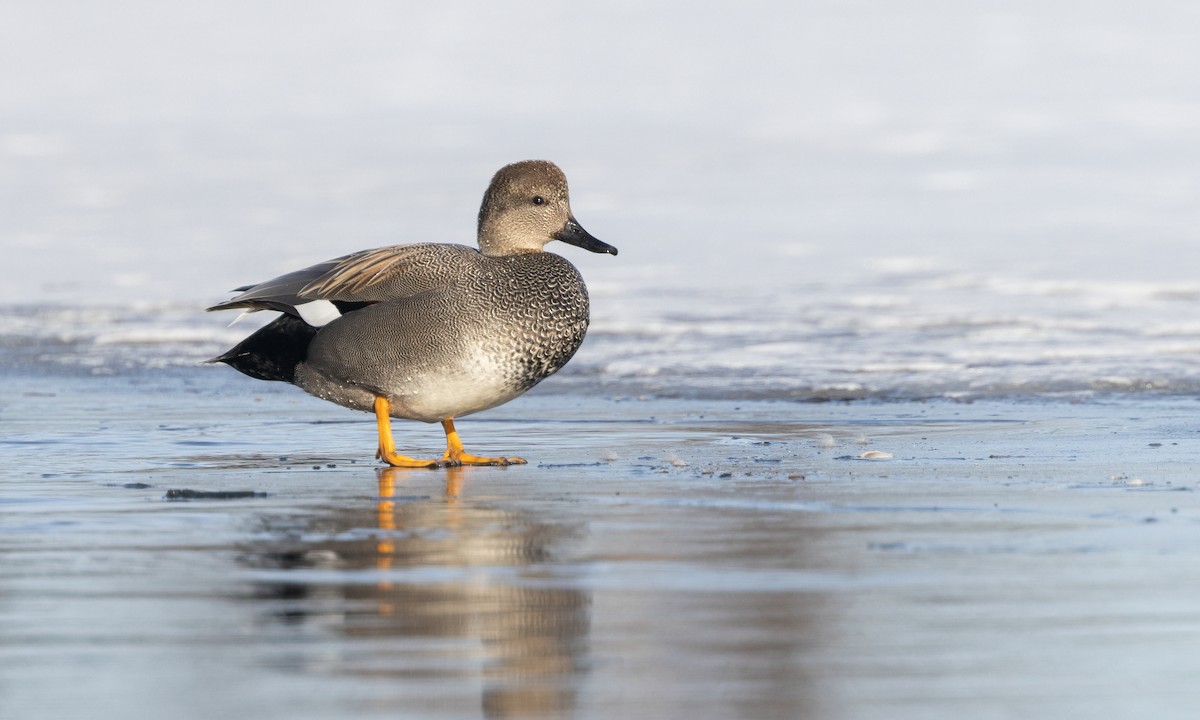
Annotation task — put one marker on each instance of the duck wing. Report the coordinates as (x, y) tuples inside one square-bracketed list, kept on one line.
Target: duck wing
[(393, 272), (321, 293)]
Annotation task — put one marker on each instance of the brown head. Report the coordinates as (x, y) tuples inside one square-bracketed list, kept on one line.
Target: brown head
[(527, 206)]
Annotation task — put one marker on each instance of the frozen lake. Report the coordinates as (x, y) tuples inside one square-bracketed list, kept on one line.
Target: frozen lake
[(976, 222)]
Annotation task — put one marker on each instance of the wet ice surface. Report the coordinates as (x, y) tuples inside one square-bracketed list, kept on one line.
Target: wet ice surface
[(655, 559)]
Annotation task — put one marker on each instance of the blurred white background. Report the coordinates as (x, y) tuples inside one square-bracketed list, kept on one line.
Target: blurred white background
[(173, 150)]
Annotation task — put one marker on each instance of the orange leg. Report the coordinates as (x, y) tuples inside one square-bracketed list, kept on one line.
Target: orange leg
[(387, 446), (455, 455)]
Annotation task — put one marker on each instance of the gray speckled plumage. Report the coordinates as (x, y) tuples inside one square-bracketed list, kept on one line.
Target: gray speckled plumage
[(499, 327), (439, 331)]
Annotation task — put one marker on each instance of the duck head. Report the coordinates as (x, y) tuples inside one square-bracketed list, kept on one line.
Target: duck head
[(526, 206)]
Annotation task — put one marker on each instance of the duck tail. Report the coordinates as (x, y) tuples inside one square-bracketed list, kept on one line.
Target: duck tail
[(273, 352)]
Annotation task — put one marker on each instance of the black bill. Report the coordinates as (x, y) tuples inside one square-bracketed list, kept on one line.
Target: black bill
[(573, 234)]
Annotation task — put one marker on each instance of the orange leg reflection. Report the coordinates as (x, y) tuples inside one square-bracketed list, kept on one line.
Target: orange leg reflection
[(385, 549), (385, 518), (528, 641)]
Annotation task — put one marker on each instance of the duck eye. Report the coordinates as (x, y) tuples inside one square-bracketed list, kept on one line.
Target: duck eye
[(539, 200)]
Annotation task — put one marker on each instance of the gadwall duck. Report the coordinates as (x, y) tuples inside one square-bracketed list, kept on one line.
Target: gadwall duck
[(432, 331)]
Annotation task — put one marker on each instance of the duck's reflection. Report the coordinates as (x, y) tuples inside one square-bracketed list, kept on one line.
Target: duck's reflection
[(434, 589)]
